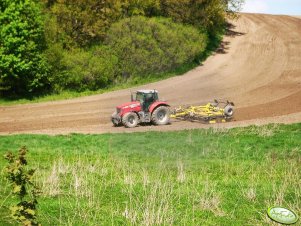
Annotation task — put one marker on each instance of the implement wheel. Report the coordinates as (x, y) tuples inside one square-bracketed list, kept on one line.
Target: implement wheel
[(161, 115), (229, 110)]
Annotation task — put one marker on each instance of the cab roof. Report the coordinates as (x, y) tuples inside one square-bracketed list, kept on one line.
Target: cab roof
[(147, 91)]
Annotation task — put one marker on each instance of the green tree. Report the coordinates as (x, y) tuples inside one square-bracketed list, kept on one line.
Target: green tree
[(85, 22), (209, 15), (23, 69)]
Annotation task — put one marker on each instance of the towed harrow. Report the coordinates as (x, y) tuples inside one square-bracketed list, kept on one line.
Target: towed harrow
[(209, 113)]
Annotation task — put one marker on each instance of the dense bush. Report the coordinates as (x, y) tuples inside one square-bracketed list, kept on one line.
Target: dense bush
[(153, 45), (133, 47), (82, 70), (23, 68)]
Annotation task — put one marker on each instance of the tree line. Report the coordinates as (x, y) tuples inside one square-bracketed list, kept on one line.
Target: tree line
[(55, 45)]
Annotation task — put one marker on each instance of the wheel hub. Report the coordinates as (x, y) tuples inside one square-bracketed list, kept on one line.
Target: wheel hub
[(161, 115), (132, 119)]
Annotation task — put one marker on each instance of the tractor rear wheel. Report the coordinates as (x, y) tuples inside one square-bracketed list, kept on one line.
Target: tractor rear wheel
[(160, 115), (130, 120)]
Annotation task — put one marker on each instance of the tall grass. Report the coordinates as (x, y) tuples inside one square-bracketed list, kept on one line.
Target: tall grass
[(195, 177)]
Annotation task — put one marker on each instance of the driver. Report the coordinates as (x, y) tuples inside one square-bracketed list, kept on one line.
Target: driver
[(147, 100)]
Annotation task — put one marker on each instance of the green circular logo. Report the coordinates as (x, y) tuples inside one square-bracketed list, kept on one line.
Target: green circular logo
[(282, 215)]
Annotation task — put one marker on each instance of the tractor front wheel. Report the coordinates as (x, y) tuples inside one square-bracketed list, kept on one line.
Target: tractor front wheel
[(160, 115), (115, 119), (130, 120)]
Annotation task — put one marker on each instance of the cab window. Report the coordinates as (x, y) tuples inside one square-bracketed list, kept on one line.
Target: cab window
[(139, 97)]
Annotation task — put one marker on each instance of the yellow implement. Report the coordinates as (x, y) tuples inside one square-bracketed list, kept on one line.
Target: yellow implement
[(208, 113)]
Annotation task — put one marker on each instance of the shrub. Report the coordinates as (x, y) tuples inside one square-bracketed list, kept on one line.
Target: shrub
[(150, 46), (23, 187), (81, 70)]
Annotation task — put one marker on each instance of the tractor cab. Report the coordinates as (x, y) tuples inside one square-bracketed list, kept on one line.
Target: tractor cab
[(146, 98)]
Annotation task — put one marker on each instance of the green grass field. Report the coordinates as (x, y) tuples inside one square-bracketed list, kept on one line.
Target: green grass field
[(197, 177)]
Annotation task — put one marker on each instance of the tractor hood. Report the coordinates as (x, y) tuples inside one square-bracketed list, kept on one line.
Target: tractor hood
[(133, 104)]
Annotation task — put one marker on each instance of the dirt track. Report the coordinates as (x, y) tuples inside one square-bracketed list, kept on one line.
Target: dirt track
[(259, 70)]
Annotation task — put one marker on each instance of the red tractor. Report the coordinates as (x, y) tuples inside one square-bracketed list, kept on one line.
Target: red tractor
[(144, 107)]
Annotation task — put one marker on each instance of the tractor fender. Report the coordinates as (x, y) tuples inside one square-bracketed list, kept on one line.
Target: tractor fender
[(157, 104)]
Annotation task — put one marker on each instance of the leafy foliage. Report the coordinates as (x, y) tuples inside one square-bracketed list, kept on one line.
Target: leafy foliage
[(85, 22), (21, 180), (82, 21), (209, 15), (149, 46), (23, 68), (57, 51), (82, 70), (142, 8)]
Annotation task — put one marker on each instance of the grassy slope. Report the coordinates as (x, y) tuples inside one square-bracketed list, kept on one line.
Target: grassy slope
[(200, 177)]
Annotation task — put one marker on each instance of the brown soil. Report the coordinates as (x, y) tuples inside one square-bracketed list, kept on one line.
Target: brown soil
[(258, 67)]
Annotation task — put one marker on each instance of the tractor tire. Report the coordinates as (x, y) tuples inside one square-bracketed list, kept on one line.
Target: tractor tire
[(229, 111), (161, 115), (114, 119), (130, 120)]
